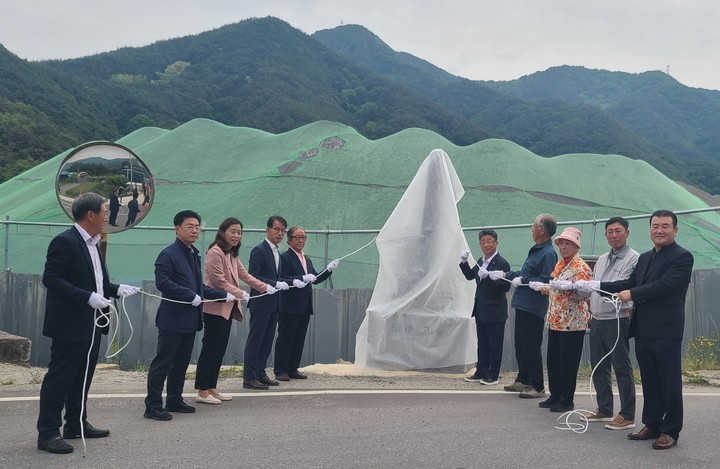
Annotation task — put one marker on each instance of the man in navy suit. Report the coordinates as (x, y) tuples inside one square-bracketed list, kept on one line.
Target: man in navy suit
[(490, 309), (264, 265), (657, 287), (77, 284), (178, 276), (295, 305)]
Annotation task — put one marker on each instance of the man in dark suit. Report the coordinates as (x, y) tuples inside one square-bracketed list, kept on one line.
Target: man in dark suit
[(490, 309), (657, 287), (295, 305), (115, 205), (264, 265), (133, 209), (178, 276), (77, 285)]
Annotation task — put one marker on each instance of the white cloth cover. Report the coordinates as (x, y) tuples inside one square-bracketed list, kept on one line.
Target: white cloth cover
[(419, 313)]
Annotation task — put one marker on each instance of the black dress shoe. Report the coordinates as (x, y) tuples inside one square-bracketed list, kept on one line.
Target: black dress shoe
[(282, 377), (645, 433), (180, 407), (90, 432), (157, 413), (55, 445), (547, 403), (297, 375), (561, 408), (254, 384), (268, 381)]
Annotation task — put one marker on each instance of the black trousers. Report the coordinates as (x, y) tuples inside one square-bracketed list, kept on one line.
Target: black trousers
[(214, 344), (62, 386), (529, 330), (171, 361), (660, 366), (259, 343), (563, 360), (292, 329), (490, 337)]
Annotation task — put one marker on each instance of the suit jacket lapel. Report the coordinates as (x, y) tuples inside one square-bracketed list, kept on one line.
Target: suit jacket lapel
[(233, 269)]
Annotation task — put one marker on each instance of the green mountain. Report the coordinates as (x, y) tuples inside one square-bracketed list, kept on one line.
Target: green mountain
[(259, 73), (327, 174), (264, 74), (566, 109)]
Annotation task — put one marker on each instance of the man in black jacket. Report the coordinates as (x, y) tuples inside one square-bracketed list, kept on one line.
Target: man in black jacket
[(295, 305), (78, 285), (490, 309)]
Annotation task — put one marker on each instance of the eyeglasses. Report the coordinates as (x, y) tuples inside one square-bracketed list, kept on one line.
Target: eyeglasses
[(278, 229), (192, 227), (298, 237)]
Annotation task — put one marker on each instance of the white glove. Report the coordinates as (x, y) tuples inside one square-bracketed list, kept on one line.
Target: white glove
[(229, 298), (587, 285), (517, 281), (196, 301), (246, 296), (537, 286), (98, 302), (464, 255), (270, 289), (563, 285), (496, 274), (482, 272), (309, 278), (299, 283), (127, 290), (333, 265), (282, 286)]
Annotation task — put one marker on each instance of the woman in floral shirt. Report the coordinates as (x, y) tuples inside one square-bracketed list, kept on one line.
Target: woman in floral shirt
[(567, 321)]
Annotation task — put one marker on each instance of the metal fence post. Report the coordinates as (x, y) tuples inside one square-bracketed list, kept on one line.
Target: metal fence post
[(327, 251), (7, 242)]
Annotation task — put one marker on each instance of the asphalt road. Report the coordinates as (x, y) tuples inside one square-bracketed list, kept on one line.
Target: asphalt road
[(346, 428)]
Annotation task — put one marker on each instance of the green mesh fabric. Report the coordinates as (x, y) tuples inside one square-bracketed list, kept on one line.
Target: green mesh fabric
[(327, 175)]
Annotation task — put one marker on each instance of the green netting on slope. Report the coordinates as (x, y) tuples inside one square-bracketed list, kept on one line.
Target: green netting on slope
[(326, 174)]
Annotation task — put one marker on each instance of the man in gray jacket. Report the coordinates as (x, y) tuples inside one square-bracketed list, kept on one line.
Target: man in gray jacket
[(617, 264)]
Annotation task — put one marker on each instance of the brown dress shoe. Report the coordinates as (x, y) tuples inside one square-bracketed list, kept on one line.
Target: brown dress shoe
[(644, 434), (664, 441)]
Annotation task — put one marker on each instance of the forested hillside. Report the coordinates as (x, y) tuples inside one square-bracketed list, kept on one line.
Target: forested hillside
[(265, 74)]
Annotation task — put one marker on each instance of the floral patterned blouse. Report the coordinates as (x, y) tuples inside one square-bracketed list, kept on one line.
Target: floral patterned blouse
[(569, 311)]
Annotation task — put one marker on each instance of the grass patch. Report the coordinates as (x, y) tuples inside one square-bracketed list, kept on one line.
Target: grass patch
[(234, 371), (695, 379), (7, 381)]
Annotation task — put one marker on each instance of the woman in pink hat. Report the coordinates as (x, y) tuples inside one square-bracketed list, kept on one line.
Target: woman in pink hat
[(567, 321)]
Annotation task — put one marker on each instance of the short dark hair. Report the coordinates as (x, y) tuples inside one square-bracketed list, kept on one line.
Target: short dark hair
[(87, 202), (181, 216), (623, 222), (663, 214), (487, 233), (548, 223), (220, 241), (292, 230), (275, 218)]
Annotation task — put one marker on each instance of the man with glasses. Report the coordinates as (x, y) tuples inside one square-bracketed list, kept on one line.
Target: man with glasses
[(295, 305), (264, 265), (490, 309), (178, 276)]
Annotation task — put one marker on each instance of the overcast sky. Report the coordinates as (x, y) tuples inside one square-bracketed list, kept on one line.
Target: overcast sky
[(476, 39)]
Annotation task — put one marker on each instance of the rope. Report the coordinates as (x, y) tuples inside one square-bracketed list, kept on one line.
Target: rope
[(112, 319)]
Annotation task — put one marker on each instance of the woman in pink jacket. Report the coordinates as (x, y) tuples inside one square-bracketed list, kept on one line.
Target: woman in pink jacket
[(223, 270)]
